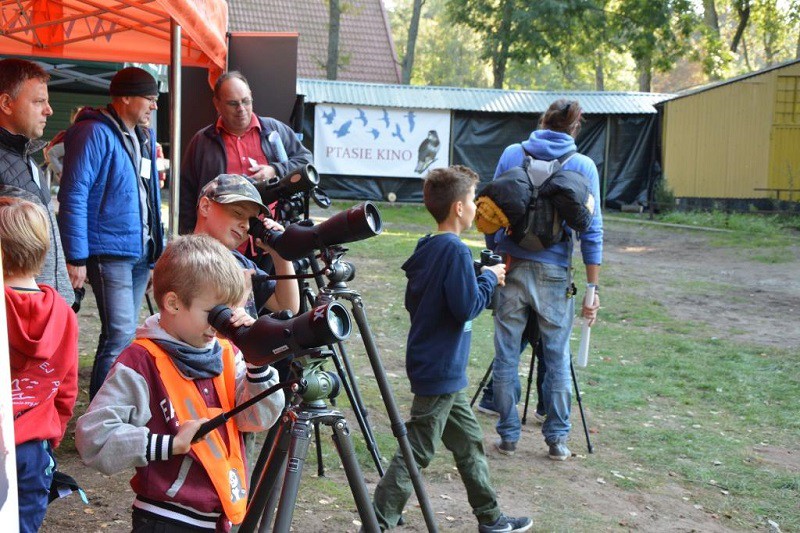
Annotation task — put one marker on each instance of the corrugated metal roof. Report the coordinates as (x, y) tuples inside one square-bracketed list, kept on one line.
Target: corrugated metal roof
[(489, 100)]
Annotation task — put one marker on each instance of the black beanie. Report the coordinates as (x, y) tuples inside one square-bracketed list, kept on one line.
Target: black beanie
[(133, 81)]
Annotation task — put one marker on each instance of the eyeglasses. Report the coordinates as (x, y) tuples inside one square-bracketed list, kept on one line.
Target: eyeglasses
[(244, 102), (151, 99)]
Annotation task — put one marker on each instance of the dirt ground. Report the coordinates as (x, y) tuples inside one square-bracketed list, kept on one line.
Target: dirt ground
[(767, 296)]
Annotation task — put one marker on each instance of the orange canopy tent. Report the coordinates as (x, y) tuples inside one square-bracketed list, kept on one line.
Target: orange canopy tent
[(140, 31), (115, 30)]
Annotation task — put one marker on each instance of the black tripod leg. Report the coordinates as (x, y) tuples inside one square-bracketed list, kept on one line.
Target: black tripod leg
[(263, 456), (341, 437), (580, 407), (528, 389), (398, 426), (298, 450), (318, 441), (259, 508), (482, 384), (347, 377)]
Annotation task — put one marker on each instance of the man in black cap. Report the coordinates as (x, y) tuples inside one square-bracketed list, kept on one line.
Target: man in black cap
[(109, 216)]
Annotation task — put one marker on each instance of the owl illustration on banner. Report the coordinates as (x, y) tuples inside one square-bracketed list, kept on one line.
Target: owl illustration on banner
[(428, 149)]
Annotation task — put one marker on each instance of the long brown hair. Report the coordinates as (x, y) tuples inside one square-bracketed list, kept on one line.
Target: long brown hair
[(563, 115)]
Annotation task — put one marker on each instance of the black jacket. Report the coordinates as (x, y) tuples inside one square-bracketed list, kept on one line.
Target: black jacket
[(16, 179), (205, 159)]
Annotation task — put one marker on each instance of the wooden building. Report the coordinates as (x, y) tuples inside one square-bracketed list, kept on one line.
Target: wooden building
[(735, 143)]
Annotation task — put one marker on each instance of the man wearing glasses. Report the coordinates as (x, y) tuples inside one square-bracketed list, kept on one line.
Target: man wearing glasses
[(239, 142), (109, 215)]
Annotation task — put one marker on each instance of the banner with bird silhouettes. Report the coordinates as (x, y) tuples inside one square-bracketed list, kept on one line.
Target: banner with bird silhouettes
[(380, 141)]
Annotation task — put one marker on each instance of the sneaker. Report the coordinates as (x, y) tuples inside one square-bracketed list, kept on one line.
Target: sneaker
[(505, 447), (539, 418), (559, 451), (507, 524), (486, 410)]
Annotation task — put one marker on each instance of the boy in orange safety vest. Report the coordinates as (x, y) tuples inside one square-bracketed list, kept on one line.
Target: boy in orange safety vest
[(174, 376)]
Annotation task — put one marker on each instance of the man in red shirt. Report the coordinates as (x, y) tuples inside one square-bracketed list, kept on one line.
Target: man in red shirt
[(239, 142)]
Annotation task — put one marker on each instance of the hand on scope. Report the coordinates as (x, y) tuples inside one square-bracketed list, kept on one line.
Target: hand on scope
[(590, 312), (183, 440), (269, 225), (262, 172), (499, 271), (241, 318)]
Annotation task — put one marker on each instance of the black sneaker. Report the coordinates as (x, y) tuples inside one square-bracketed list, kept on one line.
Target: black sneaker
[(507, 524), (505, 447)]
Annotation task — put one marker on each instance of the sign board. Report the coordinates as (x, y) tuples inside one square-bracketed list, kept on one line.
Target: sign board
[(379, 141)]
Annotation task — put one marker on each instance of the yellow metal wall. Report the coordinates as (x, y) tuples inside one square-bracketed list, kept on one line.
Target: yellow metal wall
[(717, 142)]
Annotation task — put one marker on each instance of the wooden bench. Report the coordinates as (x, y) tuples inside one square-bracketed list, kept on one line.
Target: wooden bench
[(779, 191)]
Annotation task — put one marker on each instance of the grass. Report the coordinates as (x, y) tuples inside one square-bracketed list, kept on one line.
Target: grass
[(673, 403), (670, 402)]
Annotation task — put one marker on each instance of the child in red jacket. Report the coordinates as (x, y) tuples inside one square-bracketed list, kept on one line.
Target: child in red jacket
[(43, 352)]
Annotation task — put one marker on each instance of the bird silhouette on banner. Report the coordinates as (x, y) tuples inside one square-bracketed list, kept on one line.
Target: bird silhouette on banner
[(329, 116), (428, 149), (397, 133), (343, 130)]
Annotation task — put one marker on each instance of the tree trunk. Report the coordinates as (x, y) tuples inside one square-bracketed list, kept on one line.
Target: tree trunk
[(500, 53), (644, 66), (599, 77), (710, 16), (334, 15), (743, 11), (413, 31), (797, 50)]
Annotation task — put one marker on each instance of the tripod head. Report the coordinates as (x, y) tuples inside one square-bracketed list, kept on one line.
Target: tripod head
[(315, 385)]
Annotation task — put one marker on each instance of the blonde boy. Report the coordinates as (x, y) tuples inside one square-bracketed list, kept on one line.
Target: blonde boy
[(43, 350), (174, 376)]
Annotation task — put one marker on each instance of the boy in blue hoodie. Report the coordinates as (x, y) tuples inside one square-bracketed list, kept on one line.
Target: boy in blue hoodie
[(442, 297)]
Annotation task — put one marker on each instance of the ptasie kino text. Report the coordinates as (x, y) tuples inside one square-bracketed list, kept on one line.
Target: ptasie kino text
[(380, 154)]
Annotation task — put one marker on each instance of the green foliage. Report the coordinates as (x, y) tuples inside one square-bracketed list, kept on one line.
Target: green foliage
[(590, 44), (664, 196)]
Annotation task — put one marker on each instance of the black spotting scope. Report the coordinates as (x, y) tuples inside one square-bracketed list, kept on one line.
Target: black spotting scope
[(269, 339), (299, 240), (300, 179)]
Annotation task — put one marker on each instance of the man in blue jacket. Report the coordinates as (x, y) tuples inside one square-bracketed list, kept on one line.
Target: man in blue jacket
[(110, 216), (539, 285)]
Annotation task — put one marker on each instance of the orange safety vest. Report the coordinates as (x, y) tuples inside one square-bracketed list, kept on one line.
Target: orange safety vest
[(223, 464)]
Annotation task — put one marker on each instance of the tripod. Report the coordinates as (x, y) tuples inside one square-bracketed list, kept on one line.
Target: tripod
[(338, 273), (288, 453), (536, 343)]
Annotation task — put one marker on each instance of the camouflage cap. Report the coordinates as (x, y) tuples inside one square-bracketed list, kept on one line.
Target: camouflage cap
[(230, 188)]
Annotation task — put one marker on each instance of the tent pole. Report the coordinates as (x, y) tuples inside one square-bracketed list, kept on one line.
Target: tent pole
[(606, 150), (174, 127)]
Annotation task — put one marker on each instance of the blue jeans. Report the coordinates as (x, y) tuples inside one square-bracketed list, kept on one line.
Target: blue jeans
[(538, 288), (118, 284), (35, 466)]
